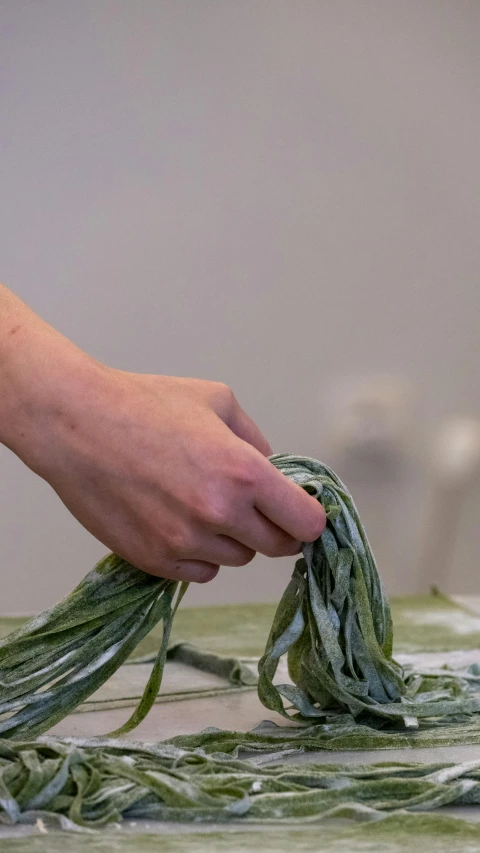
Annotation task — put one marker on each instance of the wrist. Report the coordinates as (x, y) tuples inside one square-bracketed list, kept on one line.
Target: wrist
[(43, 377)]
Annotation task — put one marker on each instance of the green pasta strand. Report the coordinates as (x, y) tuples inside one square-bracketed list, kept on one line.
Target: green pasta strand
[(335, 627), (90, 783), (56, 660), (333, 622)]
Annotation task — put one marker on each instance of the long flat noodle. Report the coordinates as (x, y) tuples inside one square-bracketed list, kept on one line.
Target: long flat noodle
[(335, 735), (333, 622), (56, 660), (335, 626), (90, 783)]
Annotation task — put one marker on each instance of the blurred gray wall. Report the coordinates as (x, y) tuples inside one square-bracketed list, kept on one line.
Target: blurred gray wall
[(273, 194)]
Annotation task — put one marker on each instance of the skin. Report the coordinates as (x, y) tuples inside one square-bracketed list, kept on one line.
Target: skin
[(168, 472)]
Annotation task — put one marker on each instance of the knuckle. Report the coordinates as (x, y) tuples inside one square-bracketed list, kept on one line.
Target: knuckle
[(217, 506), (222, 397), (224, 392), (244, 473), (216, 513), (178, 541)]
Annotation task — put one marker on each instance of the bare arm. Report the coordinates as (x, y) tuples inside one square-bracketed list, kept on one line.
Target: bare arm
[(170, 473)]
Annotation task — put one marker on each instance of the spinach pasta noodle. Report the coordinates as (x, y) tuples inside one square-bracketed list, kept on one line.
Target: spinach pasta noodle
[(334, 619), (333, 622)]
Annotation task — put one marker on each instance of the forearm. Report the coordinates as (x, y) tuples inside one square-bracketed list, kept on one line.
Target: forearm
[(38, 367)]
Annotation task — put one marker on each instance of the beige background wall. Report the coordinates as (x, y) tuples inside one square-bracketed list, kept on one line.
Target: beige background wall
[(279, 195)]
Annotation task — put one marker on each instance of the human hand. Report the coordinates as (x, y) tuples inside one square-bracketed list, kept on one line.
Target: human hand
[(167, 472)]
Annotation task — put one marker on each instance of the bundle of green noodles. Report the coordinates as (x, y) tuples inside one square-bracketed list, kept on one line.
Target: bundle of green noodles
[(77, 783), (333, 622), (56, 660)]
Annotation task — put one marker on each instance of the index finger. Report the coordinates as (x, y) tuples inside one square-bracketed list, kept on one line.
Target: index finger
[(288, 505)]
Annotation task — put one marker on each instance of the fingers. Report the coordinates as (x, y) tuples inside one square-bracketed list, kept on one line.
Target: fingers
[(288, 506), (195, 571), (277, 498), (221, 550), (200, 564), (258, 533), (239, 548)]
